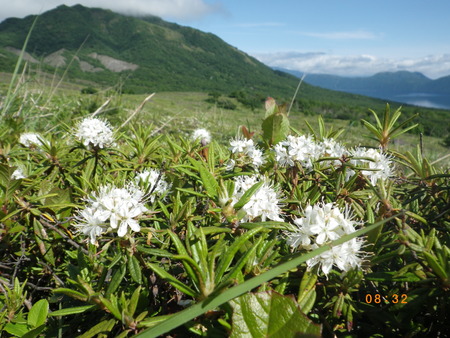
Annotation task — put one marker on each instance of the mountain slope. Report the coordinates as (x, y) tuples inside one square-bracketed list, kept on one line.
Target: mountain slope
[(159, 55)]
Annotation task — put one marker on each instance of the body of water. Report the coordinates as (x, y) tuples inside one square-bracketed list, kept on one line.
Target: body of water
[(424, 100)]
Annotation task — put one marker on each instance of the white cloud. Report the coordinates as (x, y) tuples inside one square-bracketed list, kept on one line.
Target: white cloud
[(433, 66), (167, 9)]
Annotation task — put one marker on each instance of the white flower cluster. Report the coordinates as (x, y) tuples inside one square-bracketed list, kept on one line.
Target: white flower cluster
[(95, 132), (112, 208), (246, 149), (31, 140), (201, 135), (300, 149), (153, 181), (264, 203), (322, 224), (380, 164), (304, 150)]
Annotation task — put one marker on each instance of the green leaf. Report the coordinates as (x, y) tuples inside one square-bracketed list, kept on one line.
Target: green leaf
[(38, 313), (16, 329), (228, 256), (103, 327), (247, 195), (112, 306), (391, 277), (72, 310), (191, 192), (71, 293), (172, 280), (154, 252), (307, 291), (7, 184), (134, 301), (150, 322), (33, 333), (269, 314), (135, 269), (116, 280), (437, 268), (275, 128), (208, 180)]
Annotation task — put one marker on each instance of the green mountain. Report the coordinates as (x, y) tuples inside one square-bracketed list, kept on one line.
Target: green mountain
[(145, 53)]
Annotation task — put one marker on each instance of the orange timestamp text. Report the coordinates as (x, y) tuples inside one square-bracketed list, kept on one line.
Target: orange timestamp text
[(394, 298)]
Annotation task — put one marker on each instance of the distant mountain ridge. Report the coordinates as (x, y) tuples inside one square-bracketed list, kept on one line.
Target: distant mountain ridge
[(381, 85), (145, 53)]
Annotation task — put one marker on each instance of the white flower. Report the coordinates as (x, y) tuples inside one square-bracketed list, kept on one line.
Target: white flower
[(281, 155), (379, 163), (92, 223), (94, 132), (331, 148), (230, 164), (153, 181), (257, 157), (18, 174), (201, 135), (240, 145), (264, 203), (120, 206), (31, 139), (247, 151), (322, 224)]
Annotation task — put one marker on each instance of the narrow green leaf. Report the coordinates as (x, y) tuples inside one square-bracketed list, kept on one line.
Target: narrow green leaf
[(213, 230), (103, 327), (134, 301), (112, 306), (209, 182), (239, 265), (135, 269), (371, 128), (183, 252), (71, 293), (228, 256), (191, 192), (72, 310), (172, 280), (154, 252), (153, 321), (435, 266), (247, 195), (116, 280)]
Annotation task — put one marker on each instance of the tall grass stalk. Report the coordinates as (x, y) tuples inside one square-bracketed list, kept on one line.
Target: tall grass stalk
[(10, 95), (295, 94)]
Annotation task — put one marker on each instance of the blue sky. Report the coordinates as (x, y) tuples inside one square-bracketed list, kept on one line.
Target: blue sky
[(343, 37)]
